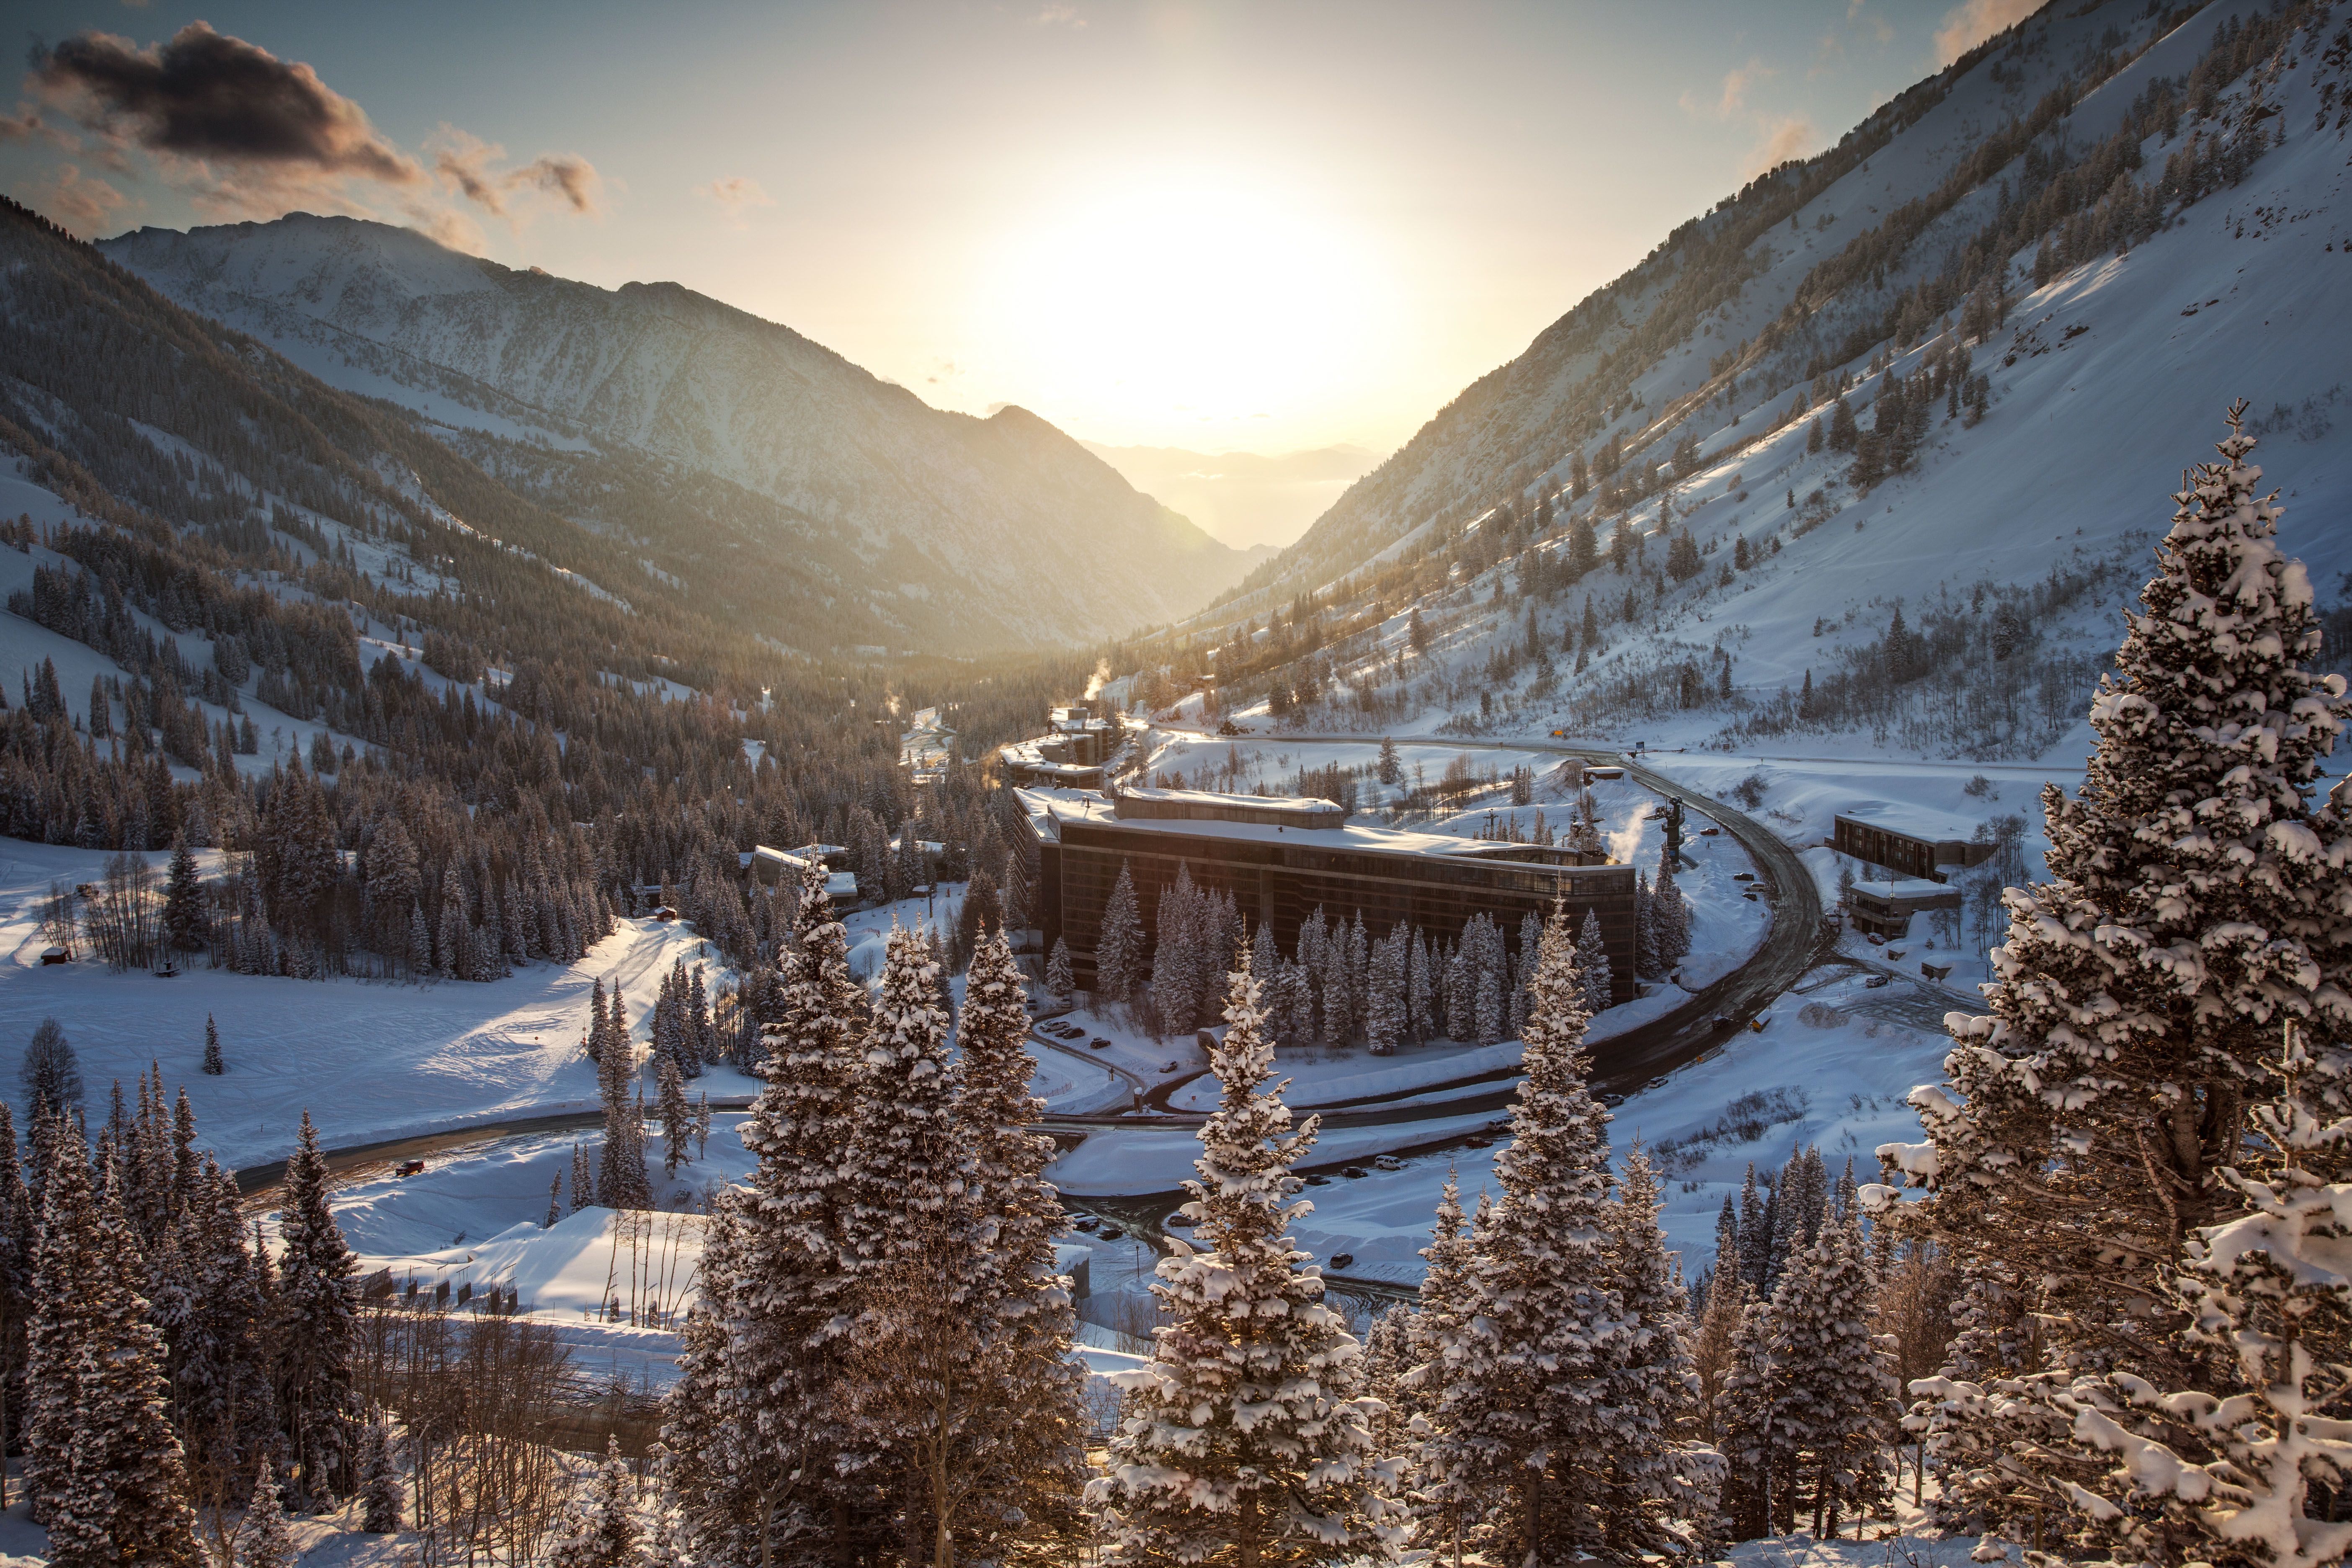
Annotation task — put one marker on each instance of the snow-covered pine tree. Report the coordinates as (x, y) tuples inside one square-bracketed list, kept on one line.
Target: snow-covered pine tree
[(620, 1179), (1592, 964), (598, 1023), (1669, 915), (768, 1380), (1244, 1431), (1444, 1307), (1758, 1460), (262, 1539), (1662, 1488), (124, 1491), (315, 1330), (599, 1530), (1421, 991), (1061, 980), (676, 1117), (2246, 1476), (1461, 990), (1647, 964), (1518, 1420), (214, 1064), (554, 1202), (1832, 1393), (985, 1403), (2191, 908), (1489, 1012), (1755, 1233), (1175, 961), (584, 1180), (381, 1501), (1119, 948), (1384, 999)]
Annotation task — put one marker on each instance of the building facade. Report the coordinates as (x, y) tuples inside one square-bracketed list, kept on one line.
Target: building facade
[(1282, 859), (1912, 848)]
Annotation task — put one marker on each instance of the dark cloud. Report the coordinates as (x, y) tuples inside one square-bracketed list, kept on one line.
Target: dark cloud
[(206, 95), (571, 177)]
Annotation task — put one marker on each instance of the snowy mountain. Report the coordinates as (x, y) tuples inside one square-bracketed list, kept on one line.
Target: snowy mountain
[(2034, 282), (958, 533)]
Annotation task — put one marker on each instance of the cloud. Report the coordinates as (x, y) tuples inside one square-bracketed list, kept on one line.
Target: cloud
[(465, 164), (1058, 16), (737, 195), (209, 96), (80, 204), (568, 175), (1784, 138), (1971, 23), (1732, 96)]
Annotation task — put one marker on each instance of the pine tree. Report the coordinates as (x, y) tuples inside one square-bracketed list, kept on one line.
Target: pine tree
[(1384, 1003), (262, 1539), (1446, 1303), (1061, 985), (2240, 1478), (677, 1118), (1758, 1463), (1670, 912), (213, 1065), (123, 1495), (1175, 954), (1119, 948), (379, 1491), (620, 1179), (1592, 964), (1519, 1419), (185, 923), (599, 1530), (1660, 1492), (759, 1403), (1833, 1398), (318, 1309), (1245, 1430), (2191, 908), (985, 1403), (584, 1180), (554, 1202)]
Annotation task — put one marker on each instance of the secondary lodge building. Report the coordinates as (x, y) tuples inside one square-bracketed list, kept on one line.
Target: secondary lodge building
[(1281, 859)]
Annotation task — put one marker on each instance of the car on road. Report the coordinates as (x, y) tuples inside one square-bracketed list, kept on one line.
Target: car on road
[(1342, 1259), (1726, 1021), (1873, 983), (1318, 1180), (1612, 1101), (1112, 1233), (1354, 1172), (1180, 1220), (1098, 1044), (1479, 1140)]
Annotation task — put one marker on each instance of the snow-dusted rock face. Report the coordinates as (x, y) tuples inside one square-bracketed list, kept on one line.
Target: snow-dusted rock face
[(976, 532)]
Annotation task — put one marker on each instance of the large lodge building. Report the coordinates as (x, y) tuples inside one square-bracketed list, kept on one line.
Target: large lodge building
[(1282, 859)]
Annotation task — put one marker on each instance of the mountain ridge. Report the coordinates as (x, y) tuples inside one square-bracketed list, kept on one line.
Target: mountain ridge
[(955, 522)]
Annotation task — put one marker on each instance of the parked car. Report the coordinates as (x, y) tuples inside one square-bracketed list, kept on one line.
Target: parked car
[(1388, 1163), (1113, 1233), (1098, 1044), (409, 1168), (1085, 1222), (1354, 1172), (1726, 1021), (1611, 1101), (1342, 1259), (1873, 983), (1317, 1180)]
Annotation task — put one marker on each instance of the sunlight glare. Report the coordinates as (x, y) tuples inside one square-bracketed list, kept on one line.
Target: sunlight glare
[(1190, 299)]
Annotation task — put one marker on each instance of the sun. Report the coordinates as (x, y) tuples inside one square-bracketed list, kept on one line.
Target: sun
[(1183, 301)]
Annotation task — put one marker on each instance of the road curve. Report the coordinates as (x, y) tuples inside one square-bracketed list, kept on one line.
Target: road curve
[(1624, 1063)]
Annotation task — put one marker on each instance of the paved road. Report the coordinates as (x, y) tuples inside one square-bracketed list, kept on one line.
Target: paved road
[(1621, 1066)]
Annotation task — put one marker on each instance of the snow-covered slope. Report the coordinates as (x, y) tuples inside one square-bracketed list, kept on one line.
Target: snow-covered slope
[(969, 532), (2206, 260)]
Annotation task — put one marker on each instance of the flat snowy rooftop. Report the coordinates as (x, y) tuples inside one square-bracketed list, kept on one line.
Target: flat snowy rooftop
[(1918, 821), (1078, 806)]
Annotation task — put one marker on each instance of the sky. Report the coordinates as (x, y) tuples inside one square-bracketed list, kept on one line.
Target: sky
[(1260, 227)]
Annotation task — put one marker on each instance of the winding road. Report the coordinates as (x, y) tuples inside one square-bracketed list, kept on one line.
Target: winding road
[(1793, 942)]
